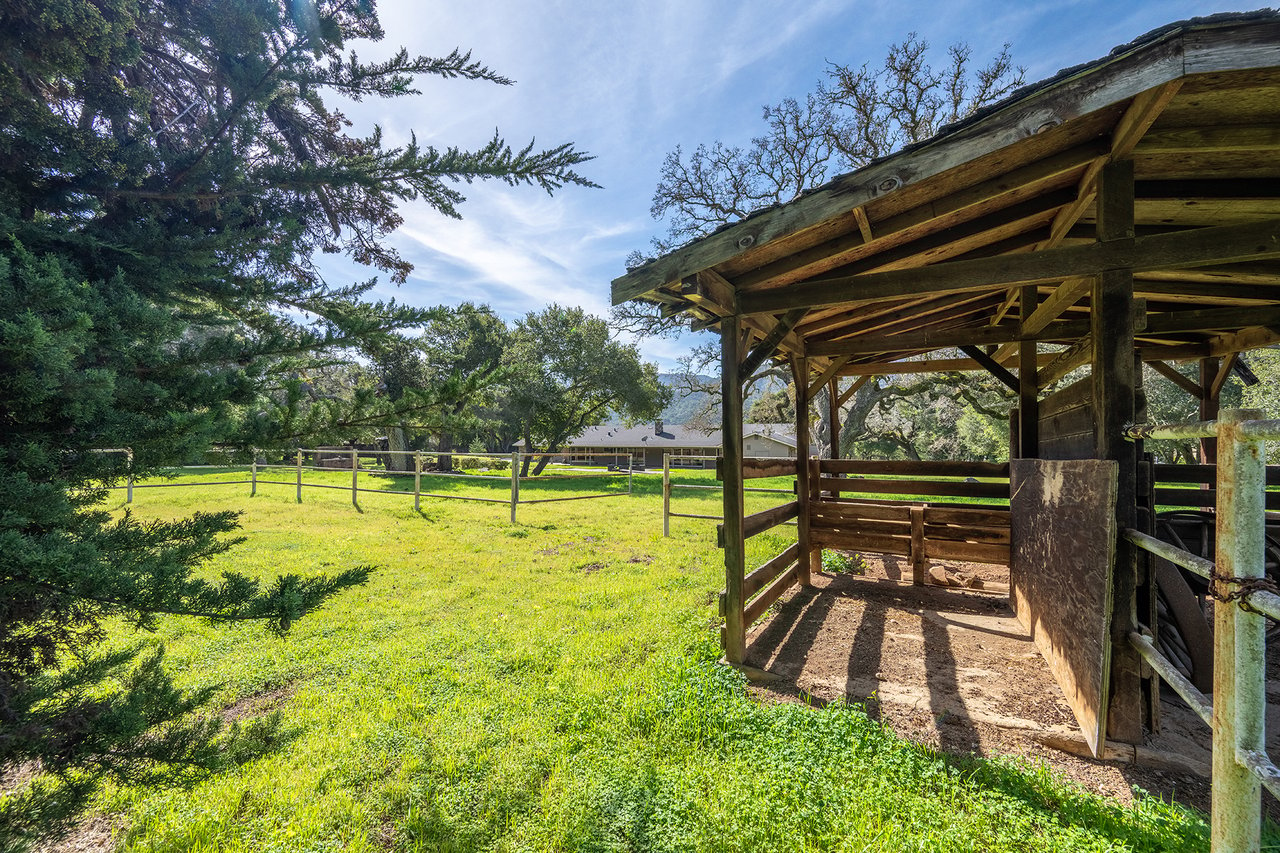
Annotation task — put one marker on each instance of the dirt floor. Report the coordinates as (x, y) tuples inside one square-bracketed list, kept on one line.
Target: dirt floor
[(952, 667)]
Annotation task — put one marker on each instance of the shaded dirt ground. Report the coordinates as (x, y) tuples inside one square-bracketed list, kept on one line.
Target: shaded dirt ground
[(953, 668)]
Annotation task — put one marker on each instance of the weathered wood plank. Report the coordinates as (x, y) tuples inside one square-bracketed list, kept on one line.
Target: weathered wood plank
[(862, 525), (842, 539), (772, 593), (855, 510), (757, 467), (759, 522), (1076, 355), (767, 347), (963, 533), (915, 487), (977, 516), (755, 581), (945, 549), (925, 468), (1060, 582)]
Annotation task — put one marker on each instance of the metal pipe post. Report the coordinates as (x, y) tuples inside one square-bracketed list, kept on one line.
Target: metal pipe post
[(299, 458), (1239, 697), (515, 483), (417, 480), (666, 494)]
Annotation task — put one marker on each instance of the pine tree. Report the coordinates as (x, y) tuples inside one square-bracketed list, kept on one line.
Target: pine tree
[(169, 172)]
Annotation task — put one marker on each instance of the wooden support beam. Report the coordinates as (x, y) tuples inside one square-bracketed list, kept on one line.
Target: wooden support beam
[(825, 376), (767, 347), (833, 414), (864, 224), (991, 366), (1245, 340), (1143, 110), (735, 633), (853, 389), (1208, 319), (1063, 297), (1224, 373), (1076, 355), (1171, 373), (1198, 140), (800, 378), (925, 365), (931, 339), (1189, 248), (1115, 405), (1029, 384)]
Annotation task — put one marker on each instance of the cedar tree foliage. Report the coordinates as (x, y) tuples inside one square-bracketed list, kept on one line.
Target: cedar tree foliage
[(169, 170)]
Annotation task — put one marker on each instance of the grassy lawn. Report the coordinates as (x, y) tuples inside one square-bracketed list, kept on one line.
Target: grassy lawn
[(552, 685)]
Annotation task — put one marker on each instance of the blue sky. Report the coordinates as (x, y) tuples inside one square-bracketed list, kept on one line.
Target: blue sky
[(630, 81)]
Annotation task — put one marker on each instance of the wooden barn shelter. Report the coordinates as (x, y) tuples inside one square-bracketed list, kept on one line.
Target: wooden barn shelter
[(1123, 211)]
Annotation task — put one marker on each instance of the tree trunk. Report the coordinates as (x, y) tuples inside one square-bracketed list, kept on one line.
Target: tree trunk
[(398, 439), (445, 460)]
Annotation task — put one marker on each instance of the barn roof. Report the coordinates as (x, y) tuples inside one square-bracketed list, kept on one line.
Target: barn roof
[(937, 245)]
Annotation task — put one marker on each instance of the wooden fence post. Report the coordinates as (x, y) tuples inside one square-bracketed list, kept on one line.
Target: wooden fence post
[(917, 545), (299, 458), (515, 483), (128, 457), (666, 494), (355, 474), (417, 480), (253, 475)]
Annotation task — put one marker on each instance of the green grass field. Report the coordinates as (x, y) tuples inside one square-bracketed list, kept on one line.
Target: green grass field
[(553, 685)]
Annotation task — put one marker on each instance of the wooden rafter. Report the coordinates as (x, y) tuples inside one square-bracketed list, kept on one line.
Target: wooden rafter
[(1171, 373), (1200, 246)]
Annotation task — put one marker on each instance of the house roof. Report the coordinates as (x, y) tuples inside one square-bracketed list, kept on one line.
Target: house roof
[(938, 245)]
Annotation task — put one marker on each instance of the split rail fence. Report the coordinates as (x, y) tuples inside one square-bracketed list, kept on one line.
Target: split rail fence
[(351, 460), (1243, 600)]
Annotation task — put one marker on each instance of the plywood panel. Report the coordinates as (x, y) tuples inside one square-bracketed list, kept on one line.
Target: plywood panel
[(1062, 556)]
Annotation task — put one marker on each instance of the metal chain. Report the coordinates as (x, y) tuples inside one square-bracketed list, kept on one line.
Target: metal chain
[(1245, 587)]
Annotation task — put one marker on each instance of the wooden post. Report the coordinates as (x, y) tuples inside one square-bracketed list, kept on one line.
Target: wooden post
[(833, 412), (735, 629), (417, 480), (128, 459), (1208, 408), (918, 561), (800, 377), (1114, 398), (299, 458), (515, 483), (355, 474), (630, 469), (253, 475), (1028, 390), (666, 494)]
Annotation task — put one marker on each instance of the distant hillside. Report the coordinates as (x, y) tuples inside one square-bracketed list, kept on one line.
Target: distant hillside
[(682, 409)]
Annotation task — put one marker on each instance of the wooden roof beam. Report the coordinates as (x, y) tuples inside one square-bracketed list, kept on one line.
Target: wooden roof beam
[(1016, 185), (1171, 373), (1196, 247), (923, 365), (1196, 140), (1142, 112)]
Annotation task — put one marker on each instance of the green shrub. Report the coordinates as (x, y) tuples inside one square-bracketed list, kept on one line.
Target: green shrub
[(843, 563), (476, 463)]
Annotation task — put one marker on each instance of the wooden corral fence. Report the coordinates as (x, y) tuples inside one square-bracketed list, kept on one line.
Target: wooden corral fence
[(1195, 485), (847, 510), (324, 459), (668, 488), (1244, 599)]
